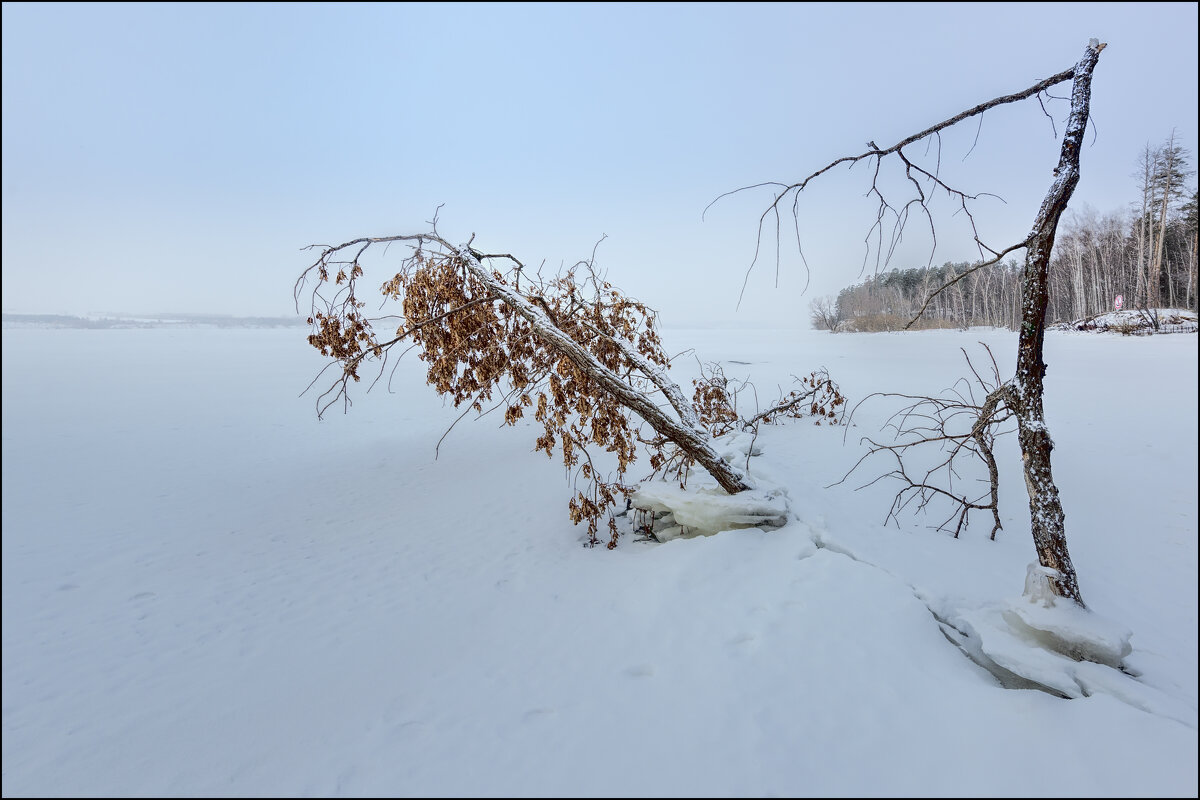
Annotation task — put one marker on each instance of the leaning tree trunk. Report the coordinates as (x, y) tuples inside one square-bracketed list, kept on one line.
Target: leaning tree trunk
[(1045, 510), (685, 433)]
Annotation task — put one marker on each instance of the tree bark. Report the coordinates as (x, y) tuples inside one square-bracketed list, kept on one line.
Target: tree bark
[(1045, 509)]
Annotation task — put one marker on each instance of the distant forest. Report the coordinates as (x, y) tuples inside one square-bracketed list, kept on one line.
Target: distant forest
[(1146, 253)]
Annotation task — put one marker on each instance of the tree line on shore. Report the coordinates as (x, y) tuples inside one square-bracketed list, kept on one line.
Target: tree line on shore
[(1146, 253)]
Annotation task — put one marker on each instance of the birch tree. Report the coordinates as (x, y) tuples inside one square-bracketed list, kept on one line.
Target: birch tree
[(1022, 395), (1171, 174), (1145, 227)]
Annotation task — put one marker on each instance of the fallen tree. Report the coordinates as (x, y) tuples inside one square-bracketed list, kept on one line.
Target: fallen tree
[(585, 358)]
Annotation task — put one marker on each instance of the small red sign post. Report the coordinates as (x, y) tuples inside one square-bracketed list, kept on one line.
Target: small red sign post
[(1118, 301)]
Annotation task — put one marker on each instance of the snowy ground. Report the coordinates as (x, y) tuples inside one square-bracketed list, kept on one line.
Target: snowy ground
[(1135, 321), (206, 591)]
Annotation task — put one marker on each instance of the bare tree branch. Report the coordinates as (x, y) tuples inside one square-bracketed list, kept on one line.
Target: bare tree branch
[(939, 422), (886, 207)]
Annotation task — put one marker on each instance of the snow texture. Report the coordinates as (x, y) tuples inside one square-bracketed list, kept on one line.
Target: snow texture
[(207, 592)]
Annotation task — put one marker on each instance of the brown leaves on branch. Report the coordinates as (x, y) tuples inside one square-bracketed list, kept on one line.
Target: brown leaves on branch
[(487, 350), (818, 397), (716, 399), (573, 350)]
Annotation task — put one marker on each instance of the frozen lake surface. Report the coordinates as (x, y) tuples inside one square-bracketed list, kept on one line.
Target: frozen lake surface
[(206, 591)]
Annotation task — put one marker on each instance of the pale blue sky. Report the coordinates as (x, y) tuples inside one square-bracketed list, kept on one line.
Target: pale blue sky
[(177, 157)]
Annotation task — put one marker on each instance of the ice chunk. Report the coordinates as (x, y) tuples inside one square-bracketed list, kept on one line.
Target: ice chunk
[(1051, 642), (1014, 654), (1064, 626), (1037, 584), (709, 510)]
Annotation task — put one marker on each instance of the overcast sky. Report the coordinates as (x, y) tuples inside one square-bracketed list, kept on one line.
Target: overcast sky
[(161, 158)]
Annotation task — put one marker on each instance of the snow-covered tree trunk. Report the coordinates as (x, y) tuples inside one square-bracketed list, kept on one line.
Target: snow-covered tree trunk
[(1047, 518), (685, 432)]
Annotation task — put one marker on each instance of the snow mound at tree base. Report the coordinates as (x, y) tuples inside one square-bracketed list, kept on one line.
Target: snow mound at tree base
[(1064, 627), (1040, 641)]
